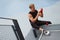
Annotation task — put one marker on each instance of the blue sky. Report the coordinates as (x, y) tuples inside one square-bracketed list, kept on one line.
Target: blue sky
[(9, 7), (38, 3)]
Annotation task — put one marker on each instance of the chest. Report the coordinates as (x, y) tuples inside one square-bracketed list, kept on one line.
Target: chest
[(34, 14)]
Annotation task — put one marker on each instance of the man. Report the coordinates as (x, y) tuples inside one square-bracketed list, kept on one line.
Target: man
[(33, 18)]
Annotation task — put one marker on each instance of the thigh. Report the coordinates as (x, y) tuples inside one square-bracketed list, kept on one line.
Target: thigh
[(46, 22), (40, 23), (34, 25)]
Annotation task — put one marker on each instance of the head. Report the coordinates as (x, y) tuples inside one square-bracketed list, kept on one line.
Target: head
[(32, 7)]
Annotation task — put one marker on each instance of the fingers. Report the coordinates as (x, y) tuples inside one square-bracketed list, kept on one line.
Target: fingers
[(40, 10)]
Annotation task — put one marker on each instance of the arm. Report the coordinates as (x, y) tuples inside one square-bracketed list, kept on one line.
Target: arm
[(40, 14), (31, 18)]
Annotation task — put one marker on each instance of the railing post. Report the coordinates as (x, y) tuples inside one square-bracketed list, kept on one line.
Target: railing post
[(18, 29)]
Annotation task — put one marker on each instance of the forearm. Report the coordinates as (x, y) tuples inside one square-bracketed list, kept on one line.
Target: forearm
[(33, 19), (36, 18)]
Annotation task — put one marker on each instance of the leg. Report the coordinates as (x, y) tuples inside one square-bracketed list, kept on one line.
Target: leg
[(34, 29), (46, 22), (40, 23), (41, 29), (35, 26), (35, 34)]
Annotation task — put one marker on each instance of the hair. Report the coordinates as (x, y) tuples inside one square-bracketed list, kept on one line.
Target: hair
[(30, 6)]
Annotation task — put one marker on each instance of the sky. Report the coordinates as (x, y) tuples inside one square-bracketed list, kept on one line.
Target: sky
[(22, 6), (15, 8), (38, 3)]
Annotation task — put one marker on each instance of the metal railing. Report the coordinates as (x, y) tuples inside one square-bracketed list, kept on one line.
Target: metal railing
[(16, 28)]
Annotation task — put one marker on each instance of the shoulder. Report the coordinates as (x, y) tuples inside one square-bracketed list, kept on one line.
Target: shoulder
[(30, 12), (29, 15)]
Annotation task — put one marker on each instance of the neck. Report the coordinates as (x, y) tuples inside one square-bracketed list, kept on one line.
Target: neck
[(33, 11)]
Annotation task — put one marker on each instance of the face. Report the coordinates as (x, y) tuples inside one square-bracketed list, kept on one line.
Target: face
[(32, 8)]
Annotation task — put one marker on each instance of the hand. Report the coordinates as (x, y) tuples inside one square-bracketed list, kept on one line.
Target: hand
[(41, 12)]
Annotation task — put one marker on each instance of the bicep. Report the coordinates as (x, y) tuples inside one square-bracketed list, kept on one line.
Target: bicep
[(30, 16)]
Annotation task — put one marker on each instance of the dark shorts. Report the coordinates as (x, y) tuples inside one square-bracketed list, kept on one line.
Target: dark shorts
[(38, 24)]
